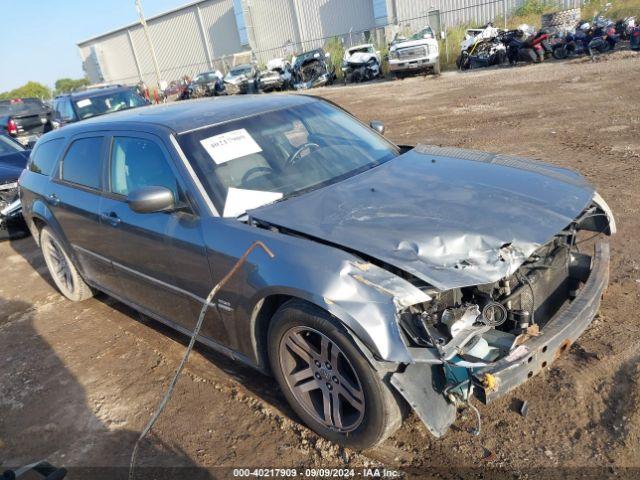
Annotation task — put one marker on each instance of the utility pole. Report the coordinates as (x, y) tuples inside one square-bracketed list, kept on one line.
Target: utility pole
[(146, 34), (504, 12)]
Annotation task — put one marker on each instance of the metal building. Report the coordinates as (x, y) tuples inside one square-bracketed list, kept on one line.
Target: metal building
[(415, 14), (278, 27), (187, 40), (204, 34)]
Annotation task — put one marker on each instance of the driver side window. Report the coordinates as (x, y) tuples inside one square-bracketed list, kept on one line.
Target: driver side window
[(137, 163), (64, 110)]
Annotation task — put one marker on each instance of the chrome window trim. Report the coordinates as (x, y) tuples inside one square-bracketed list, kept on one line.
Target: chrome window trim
[(194, 177)]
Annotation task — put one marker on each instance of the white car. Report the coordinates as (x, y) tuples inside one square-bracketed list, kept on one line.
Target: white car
[(419, 52), (361, 63)]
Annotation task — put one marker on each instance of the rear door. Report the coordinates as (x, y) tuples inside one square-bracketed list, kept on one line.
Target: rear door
[(74, 199), (155, 255)]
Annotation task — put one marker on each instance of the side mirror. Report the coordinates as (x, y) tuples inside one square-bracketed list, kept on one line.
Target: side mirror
[(377, 126), (151, 200)]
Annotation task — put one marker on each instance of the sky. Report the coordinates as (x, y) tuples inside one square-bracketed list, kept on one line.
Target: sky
[(38, 37)]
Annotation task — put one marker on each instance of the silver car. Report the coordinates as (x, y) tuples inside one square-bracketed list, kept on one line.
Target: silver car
[(421, 276)]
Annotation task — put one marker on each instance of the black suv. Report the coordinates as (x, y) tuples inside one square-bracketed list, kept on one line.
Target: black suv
[(76, 106), (25, 118)]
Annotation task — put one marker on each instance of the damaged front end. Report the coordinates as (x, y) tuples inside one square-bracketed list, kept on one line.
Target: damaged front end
[(496, 242), (312, 69), (485, 340)]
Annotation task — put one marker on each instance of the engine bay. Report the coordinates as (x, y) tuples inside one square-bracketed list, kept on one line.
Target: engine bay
[(478, 325)]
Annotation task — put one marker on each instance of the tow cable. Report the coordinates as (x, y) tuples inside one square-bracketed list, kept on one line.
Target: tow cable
[(192, 341)]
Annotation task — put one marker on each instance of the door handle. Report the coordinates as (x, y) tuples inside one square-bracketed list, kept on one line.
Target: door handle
[(111, 218), (53, 200)]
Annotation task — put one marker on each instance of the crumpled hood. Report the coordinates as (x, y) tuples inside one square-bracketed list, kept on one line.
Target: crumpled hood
[(360, 57), (448, 216)]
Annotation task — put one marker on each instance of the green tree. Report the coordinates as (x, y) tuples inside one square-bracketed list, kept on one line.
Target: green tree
[(29, 89), (65, 85)]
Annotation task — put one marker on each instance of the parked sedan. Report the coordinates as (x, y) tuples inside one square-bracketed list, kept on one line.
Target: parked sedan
[(423, 275), (207, 84), (241, 79)]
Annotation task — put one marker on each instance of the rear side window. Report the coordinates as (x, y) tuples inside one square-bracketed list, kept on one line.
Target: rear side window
[(81, 164), (45, 155)]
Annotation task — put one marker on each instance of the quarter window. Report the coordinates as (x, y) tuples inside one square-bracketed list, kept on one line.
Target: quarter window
[(137, 163), (45, 155), (81, 164)]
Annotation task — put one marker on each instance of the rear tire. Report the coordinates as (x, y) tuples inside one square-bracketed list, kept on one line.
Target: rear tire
[(61, 268), (327, 381), (560, 53)]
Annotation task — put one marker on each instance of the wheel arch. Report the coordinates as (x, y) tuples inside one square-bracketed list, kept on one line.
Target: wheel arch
[(267, 306), (40, 216)]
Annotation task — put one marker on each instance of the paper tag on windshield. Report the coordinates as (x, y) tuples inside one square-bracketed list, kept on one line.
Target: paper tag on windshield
[(84, 102), (240, 200), (230, 145)]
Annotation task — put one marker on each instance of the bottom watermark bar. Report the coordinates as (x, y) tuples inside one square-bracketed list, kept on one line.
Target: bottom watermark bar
[(214, 473)]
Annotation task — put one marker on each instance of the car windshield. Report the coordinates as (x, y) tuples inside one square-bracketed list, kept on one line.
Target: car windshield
[(9, 146), (257, 160), (240, 71), (107, 103), (21, 106), (366, 49), (205, 77), (424, 33), (300, 59)]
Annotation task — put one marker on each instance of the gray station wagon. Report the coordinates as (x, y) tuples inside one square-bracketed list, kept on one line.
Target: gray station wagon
[(401, 276)]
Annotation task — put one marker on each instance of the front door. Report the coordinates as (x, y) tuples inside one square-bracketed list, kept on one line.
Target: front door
[(149, 250)]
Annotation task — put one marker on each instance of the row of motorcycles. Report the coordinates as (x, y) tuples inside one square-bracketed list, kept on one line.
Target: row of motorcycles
[(491, 46)]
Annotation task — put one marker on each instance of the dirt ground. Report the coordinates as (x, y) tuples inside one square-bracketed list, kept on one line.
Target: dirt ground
[(79, 381)]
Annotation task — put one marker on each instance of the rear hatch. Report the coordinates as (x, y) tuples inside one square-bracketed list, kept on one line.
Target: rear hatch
[(29, 114)]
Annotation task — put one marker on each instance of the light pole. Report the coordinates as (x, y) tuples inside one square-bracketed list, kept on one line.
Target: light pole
[(504, 12), (146, 34)]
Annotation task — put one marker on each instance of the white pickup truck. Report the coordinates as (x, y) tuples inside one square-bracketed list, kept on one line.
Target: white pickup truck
[(419, 52)]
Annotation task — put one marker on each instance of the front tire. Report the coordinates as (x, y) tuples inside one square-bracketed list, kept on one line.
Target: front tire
[(61, 268), (327, 380)]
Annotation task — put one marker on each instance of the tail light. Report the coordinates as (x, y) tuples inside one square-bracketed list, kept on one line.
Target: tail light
[(12, 128)]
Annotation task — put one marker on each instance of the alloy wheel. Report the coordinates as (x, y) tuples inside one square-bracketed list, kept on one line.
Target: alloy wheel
[(321, 378), (59, 265)]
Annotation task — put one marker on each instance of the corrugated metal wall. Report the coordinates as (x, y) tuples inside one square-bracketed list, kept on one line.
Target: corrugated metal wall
[(455, 12), (271, 25), (219, 23), (328, 18), (181, 46), (277, 28)]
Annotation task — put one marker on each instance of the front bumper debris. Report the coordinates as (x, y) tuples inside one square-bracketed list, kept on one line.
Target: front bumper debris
[(423, 384), (555, 338)]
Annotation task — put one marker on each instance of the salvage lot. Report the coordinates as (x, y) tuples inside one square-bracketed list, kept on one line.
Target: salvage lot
[(79, 381)]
